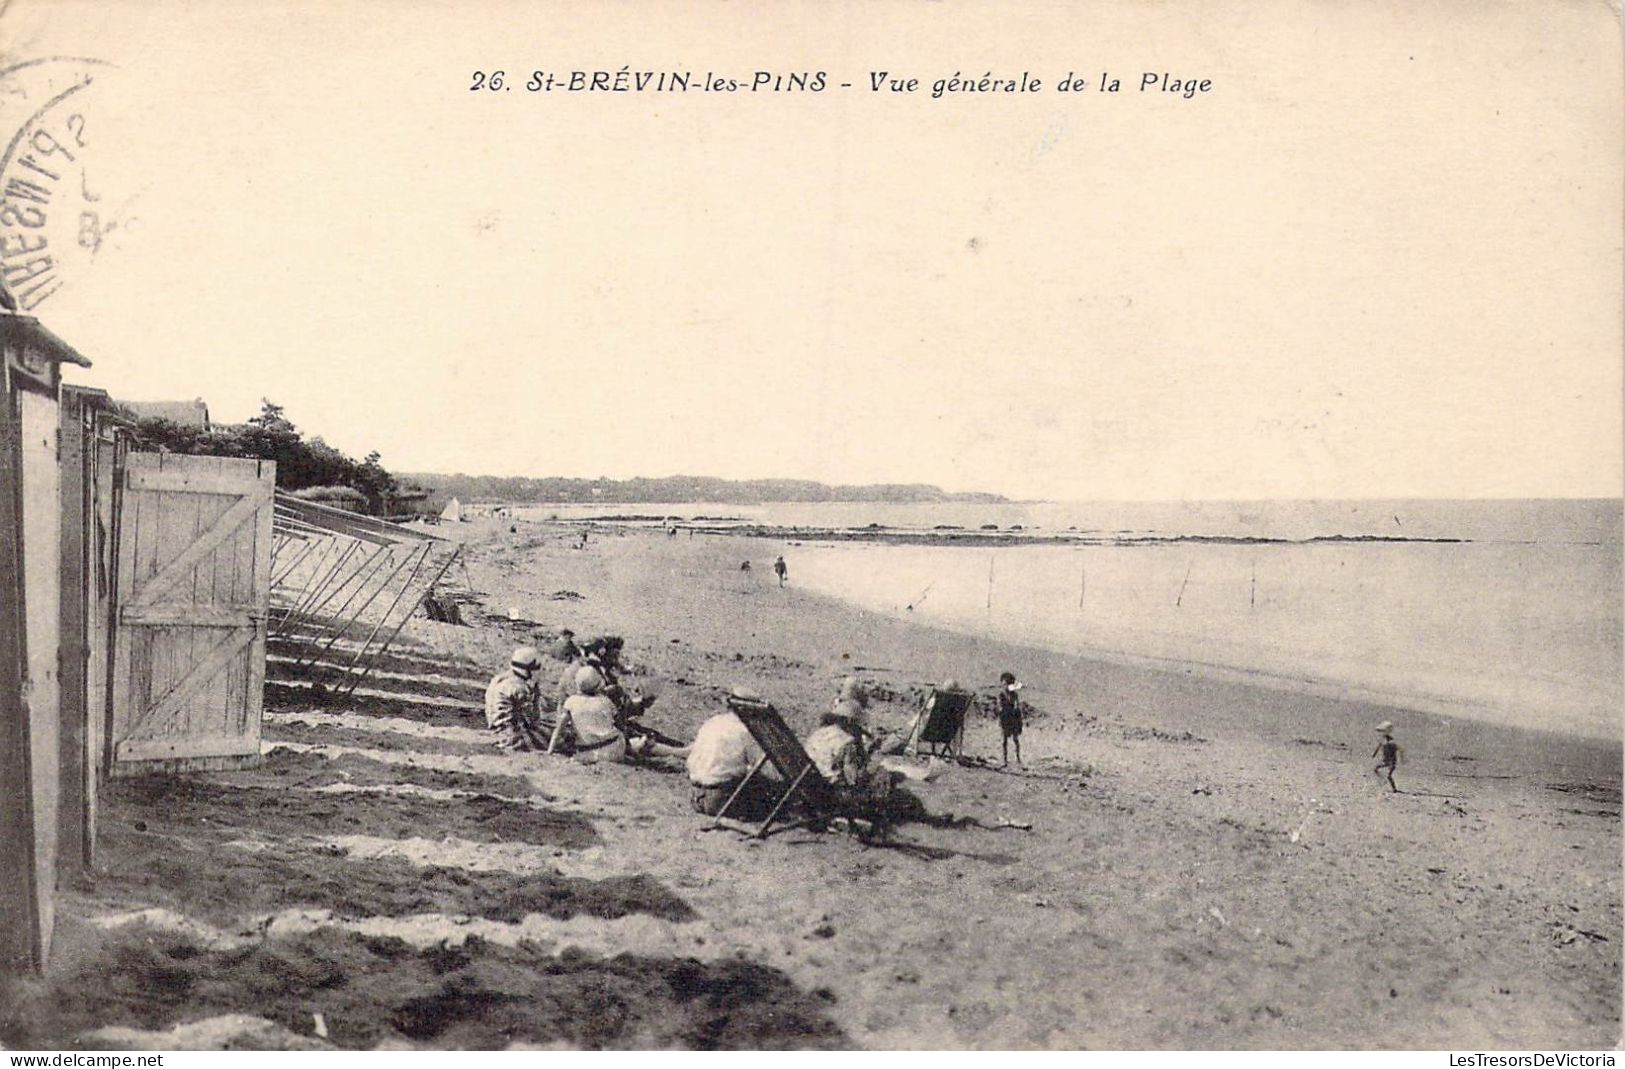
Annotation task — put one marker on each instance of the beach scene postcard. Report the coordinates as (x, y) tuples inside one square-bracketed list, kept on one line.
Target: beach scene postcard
[(727, 525)]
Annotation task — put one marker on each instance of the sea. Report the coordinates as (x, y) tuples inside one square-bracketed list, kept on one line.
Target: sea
[(1506, 611)]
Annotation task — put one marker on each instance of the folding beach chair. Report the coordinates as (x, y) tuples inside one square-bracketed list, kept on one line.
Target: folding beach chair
[(800, 778), (944, 723)]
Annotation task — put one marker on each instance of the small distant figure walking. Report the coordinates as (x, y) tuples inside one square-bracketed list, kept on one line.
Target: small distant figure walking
[(1010, 716), (744, 566), (1388, 752), (782, 570)]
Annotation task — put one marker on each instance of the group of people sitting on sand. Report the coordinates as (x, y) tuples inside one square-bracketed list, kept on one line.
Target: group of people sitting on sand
[(589, 715)]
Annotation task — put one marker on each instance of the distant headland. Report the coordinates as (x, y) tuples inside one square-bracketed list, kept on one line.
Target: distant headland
[(676, 489)]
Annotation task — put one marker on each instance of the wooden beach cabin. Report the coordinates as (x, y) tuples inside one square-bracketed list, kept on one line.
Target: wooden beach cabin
[(30, 634), (93, 442), (134, 589)]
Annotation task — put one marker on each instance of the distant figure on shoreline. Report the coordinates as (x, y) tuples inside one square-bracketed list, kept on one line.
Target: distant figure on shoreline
[(1010, 717), (782, 570), (1388, 750)]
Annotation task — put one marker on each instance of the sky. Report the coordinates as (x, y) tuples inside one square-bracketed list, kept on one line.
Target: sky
[(1381, 257)]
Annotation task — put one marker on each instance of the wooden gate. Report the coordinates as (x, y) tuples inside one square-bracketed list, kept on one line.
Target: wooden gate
[(194, 562)]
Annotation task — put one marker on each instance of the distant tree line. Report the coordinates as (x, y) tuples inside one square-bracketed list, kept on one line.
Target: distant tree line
[(308, 466), (677, 489)]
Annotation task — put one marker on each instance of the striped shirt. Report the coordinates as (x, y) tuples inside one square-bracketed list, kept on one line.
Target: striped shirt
[(510, 713)]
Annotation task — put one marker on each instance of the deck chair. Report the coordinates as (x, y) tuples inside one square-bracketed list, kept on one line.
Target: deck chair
[(944, 723), (800, 778)]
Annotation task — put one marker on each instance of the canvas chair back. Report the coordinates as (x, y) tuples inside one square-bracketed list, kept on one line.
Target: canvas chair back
[(766, 725), (946, 718), (799, 777)]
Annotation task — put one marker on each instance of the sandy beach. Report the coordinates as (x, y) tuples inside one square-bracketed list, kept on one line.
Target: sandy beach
[(1209, 864)]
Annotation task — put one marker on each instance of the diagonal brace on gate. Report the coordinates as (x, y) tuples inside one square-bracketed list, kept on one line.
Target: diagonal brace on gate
[(223, 653), (223, 528)]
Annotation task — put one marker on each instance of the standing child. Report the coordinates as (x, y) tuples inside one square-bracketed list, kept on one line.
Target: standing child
[(1010, 716), (1388, 750)]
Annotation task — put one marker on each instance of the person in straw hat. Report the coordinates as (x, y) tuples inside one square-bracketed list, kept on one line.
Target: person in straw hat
[(840, 749), (721, 756), (1388, 750), (852, 756)]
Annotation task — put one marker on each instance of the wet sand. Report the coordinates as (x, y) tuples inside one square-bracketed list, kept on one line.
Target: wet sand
[(1210, 863)]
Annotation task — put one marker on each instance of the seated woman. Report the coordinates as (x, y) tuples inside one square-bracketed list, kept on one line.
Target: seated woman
[(840, 750), (587, 726)]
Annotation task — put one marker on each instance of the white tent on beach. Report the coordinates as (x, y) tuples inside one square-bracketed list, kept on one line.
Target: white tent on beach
[(453, 511)]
